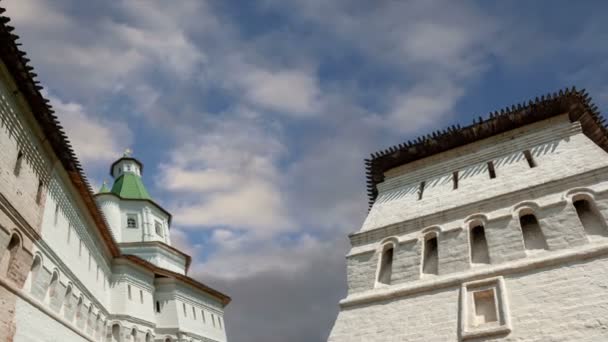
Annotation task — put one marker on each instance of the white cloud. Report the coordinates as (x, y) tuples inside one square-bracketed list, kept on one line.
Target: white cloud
[(95, 140), (228, 176), (293, 92)]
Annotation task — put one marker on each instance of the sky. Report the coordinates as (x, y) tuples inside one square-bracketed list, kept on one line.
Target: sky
[(253, 118)]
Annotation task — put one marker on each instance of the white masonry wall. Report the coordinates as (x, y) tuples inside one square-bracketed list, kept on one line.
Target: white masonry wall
[(554, 294)]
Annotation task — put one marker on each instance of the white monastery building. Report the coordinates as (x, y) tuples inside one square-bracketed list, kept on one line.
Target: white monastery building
[(78, 266), (491, 232)]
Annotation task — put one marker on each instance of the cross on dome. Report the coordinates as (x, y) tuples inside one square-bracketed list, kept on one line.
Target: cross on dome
[(127, 152)]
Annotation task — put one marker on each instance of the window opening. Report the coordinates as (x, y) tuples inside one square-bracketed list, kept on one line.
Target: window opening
[(18, 163), (430, 264), (491, 170), (532, 233), (157, 306), (529, 159), (39, 192), (158, 227), (455, 180), (485, 307), (386, 265), (129, 291), (590, 218), (131, 221), (421, 190), (479, 246)]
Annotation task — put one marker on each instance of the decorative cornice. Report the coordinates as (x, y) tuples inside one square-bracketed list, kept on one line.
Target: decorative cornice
[(576, 103)]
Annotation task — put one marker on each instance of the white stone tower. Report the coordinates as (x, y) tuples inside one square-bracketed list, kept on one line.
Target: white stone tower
[(495, 231), (139, 224)]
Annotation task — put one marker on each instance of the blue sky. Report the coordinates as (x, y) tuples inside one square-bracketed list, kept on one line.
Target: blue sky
[(253, 117)]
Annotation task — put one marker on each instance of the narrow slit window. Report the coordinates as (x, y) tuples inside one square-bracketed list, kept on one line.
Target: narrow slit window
[(185, 313), (430, 264), (590, 218), (219, 320), (421, 190), (18, 163), (141, 296), (69, 233), (129, 291), (455, 180), (203, 316), (194, 313), (56, 218), (491, 170), (479, 246), (532, 233), (386, 266), (157, 306), (39, 192), (213, 320), (529, 159)]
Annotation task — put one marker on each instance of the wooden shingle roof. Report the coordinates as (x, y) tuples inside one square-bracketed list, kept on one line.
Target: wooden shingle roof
[(576, 103)]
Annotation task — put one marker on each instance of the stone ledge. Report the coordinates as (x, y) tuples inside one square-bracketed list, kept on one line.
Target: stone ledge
[(589, 250)]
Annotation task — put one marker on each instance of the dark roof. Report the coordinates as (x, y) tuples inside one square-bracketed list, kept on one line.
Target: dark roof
[(576, 103)]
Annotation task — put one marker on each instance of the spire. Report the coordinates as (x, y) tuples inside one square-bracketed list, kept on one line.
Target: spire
[(104, 188)]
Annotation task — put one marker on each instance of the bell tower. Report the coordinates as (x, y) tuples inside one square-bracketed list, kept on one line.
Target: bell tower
[(138, 223)]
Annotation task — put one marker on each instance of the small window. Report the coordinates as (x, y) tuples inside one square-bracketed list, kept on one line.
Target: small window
[(69, 233), (80, 249), (18, 163), (529, 159), (421, 190), (203, 316), (56, 217), (219, 321), (185, 312), (531, 232), (430, 262), (455, 180), (491, 170), (194, 312), (213, 320), (39, 192), (386, 265), (129, 291), (479, 246), (483, 310), (131, 221), (158, 227), (592, 221), (157, 306), (141, 296)]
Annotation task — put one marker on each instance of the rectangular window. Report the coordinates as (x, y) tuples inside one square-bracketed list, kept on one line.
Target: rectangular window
[(203, 316), (455, 180), (213, 320), (491, 170), (18, 162), (80, 249), (129, 291), (483, 309), (529, 158), (157, 306), (141, 296), (185, 313), (158, 227), (194, 312), (219, 320), (430, 263), (131, 221), (69, 233)]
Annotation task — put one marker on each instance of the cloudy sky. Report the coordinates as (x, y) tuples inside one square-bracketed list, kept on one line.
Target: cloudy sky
[(253, 117)]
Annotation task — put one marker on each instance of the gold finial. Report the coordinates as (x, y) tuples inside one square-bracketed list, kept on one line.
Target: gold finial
[(127, 152)]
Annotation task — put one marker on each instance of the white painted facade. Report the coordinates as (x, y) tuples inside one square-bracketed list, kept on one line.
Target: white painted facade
[(76, 289), (548, 285)]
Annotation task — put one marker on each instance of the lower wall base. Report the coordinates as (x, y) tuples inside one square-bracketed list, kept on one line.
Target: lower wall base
[(34, 325), (568, 302)]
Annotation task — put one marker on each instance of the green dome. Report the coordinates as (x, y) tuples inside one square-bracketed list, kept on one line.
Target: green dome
[(130, 186), (104, 188)]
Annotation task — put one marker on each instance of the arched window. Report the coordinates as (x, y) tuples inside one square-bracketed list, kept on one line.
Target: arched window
[(18, 163), (133, 335), (116, 333), (532, 233), (430, 259), (8, 256), (479, 245), (386, 264), (34, 271), (590, 218), (148, 337), (79, 309), (67, 301), (52, 289)]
